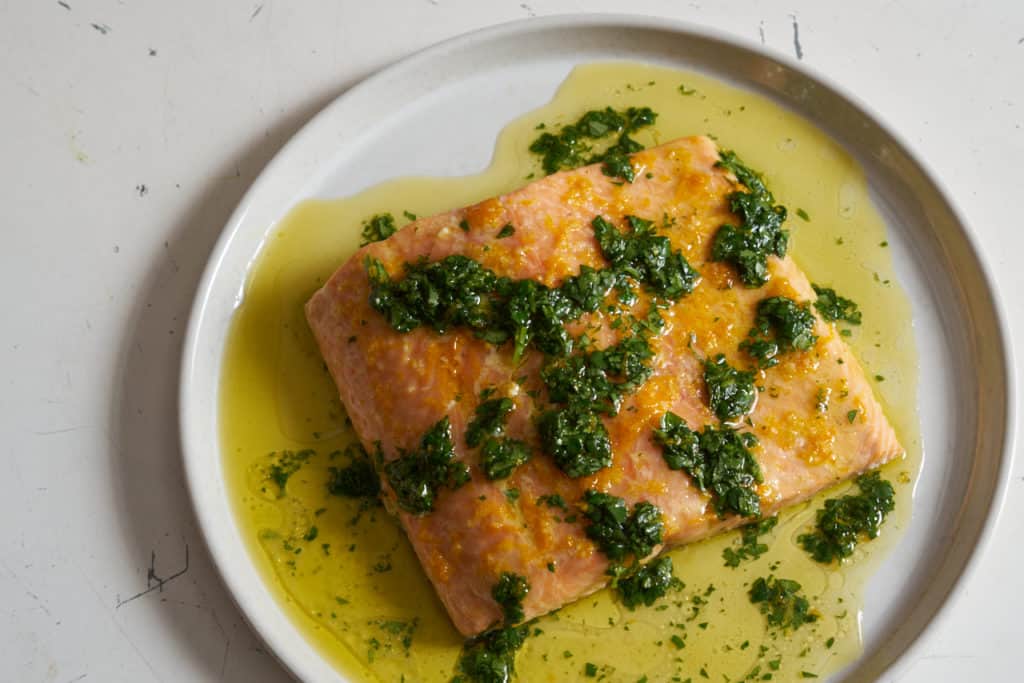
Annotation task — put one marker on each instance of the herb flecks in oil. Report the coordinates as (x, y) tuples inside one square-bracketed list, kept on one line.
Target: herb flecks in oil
[(378, 227), (286, 463), (782, 603), (358, 479), (574, 144), (835, 308), (647, 584), (842, 523), (750, 547), (490, 657)]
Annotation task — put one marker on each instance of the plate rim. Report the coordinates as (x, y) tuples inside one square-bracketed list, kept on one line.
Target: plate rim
[(192, 453)]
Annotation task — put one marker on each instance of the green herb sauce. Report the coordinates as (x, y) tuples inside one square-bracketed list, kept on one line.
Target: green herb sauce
[(748, 246), (844, 522), (781, 603), (417, 476)]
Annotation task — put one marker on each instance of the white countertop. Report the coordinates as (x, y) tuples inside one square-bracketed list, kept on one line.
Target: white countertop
[(131, 129)]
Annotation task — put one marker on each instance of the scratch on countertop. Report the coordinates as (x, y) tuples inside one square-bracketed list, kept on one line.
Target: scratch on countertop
[(529, 10), (59, 431), (142, 189), (256, 12), (113, 620), (32, 91), (64, 5), (152, 52), (760, 31), (796, 38), (77, 678), (102, 28), (153, 581), (227, 643), (38, 600), (1021, 41)]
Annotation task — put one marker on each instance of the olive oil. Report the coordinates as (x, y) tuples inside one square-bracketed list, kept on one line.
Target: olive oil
[(343, 570)]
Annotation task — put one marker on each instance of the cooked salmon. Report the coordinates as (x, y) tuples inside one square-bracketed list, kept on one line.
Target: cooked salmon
[(816, 418)]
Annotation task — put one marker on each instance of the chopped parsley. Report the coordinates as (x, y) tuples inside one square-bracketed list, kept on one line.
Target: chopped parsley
[(500, 457), (553, 500), (587, 290), (598, 380), (760, 234), (582, 384), (449, 293), (488, 420), (717, 459), (509, 593), (619, 533), (285, 465), (458, 292), (780, 601), (680, 446), (416, 476), (645, 256), (573, 145), (844, 522), (731, 392), (358, 479), (833, 307), (378, 227), (647, 584), (396, 628), (616, 159), (576, 439), (782, 325), (533, 313), (751, 547), (507, 230), (792, 323), (490, 657), (587, 385)]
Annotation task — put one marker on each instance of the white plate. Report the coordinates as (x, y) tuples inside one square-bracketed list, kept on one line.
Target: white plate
[(363, 138)]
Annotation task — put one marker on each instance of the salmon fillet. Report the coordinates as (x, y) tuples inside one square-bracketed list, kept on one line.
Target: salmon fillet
[(396, 386)]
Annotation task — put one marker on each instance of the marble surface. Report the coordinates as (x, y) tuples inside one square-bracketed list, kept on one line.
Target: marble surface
[(131, 129)]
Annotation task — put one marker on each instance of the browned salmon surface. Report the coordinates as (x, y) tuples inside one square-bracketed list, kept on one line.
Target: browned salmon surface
[(396, 386)]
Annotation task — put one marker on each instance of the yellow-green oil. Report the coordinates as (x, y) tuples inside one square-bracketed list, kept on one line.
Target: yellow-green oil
[(356, 589)]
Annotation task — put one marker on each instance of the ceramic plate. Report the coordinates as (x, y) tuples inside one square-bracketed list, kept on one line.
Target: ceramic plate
[(965, 394)]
